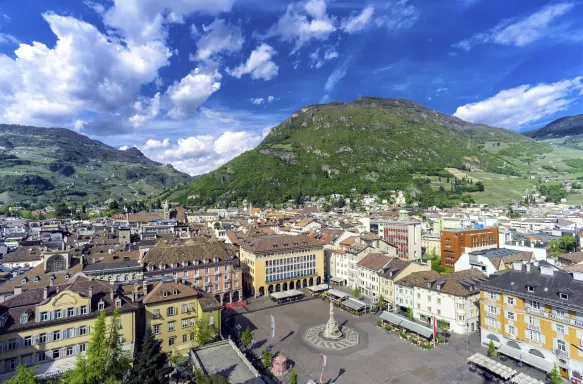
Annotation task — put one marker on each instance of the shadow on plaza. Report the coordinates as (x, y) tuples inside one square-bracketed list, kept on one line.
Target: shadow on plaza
[(286, 336), (340, 372)]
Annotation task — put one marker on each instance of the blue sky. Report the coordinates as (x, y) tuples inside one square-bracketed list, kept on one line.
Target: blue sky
[(197, 82)]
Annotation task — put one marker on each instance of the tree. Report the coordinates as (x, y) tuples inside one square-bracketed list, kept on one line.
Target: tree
[(293, 379), (267, 358), (150, 366), (25, 375), (356, 292), (113, 205), (204, 332), (492, 349), (382, 303), (554, 375), (409, 313), (247, 337), (215, 378), (443, 327), (480, 186)]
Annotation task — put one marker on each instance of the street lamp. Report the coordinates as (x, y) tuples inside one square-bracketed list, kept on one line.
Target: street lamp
[(238, 326)]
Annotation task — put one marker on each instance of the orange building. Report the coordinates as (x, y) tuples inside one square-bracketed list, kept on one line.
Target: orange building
[(455, 242)]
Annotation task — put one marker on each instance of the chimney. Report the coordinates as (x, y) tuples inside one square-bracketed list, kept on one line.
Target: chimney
[(145, 288), (527, 267), (45, 293), (58, 289), (578, 276), (51, 282), (111, 293), (517, 265), (17, 290), (90, 292)]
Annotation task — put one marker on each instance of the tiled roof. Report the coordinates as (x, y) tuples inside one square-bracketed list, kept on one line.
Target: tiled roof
[(396, 266), (43, 278), (462, 283), (374, 261), (278, 243), (23, 254), (174, 290), (164, 254)]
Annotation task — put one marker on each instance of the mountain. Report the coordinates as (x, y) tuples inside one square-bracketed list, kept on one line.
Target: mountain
[(565, 126), (370, 145), (57, 163)]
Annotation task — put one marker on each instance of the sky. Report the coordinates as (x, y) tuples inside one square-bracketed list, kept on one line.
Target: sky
[(195, 83)]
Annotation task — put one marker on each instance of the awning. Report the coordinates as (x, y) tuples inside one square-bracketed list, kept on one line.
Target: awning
[(338, 294), (492, 365), (407, 324), (319, 288), (286, 294), (525, 356), (338, 279), (521, 378), (354, 304)]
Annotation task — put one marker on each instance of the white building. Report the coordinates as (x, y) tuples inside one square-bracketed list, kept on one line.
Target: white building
[(492, 260), (369, 269)]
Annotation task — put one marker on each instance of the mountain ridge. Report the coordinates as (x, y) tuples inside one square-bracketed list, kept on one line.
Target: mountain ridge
[(559, 128)]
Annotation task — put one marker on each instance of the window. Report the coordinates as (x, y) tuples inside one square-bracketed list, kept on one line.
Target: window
[(560, 328), (70, 332), (492, 309), (69, 351), (58, 314), (512, 330), (82, 347), (184, 308), (171, 340), (533, 335), (11, 364), (439, 312), (492, 323), (192, 336), (28, 341), (42, 338), (530, 288), (56, 335), (461, 317), (27, 360), (184, 323), (70, 312), (101, 306), (418, 306), (191, 307), (534, 304), (12, 344), (56, 353), (24, 318), (118, 323), (510, 315), (171, 311), (510, 300), (438, 301), (83, 310), (171, 326), (192, 321), (44, 316), (561, 312), (156, 329), (118, 303), (83, 330), (562, 345), (184, 338), (563, 296), (156, 313)]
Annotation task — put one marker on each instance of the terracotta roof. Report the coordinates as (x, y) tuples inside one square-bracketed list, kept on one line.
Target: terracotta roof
[(144, 217), (349, 241), (511, 258), (278, 243), (23, 254), (163, 254), (374, 261), (170, 291), (574, 257), (43, 278), (369, 236), (462, 283)]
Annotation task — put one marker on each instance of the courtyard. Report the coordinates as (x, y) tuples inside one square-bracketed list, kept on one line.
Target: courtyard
[(372, 357)]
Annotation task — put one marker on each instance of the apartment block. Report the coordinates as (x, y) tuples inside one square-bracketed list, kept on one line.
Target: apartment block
[(404, 235), (456, 242)]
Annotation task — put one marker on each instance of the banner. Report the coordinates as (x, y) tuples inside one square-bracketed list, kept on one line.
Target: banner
[(272, 326), (323, 358), (434, 327)]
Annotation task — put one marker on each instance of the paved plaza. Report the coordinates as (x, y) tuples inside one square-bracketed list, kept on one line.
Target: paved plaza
[(373, 356)]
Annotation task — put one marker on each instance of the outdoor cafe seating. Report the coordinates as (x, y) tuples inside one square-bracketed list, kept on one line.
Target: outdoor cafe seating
[(491, 370)]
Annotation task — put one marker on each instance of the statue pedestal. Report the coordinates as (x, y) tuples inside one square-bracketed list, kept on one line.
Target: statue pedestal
[(332, 331)]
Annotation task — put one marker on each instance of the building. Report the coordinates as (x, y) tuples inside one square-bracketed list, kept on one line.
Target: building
[(452, 298), (534, 313), (394, 271), (23, 257), (404, 235), (171, 311), (278, 263), (431, 243), (210, 266), (49, 326), (455, 242), (368, 274), (492, 260), (347, 264)]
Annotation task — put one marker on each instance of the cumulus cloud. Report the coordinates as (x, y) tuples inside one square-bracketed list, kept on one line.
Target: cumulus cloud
[(396, 15), (512, 108), (145, 111), (302, 22), (270, 99), (519, 32), (320, 57), (193, 90), (124, 148), (258, 66), (219, 37), (257, 100), (200, 154), (358, 22)]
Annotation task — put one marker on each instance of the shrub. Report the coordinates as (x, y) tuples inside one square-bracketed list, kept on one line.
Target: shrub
[(440, 339), (379, 323)]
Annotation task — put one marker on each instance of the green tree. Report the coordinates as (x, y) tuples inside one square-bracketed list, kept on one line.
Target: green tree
[(150, 366), (204, 332), (61, 210), (356, 292), (215, 378), (326, 207), (554, 375), (25, 375), (492, 349), (247, 337), (409, 313), (443, 327), (267, 358), (382, 303), (293, 379)]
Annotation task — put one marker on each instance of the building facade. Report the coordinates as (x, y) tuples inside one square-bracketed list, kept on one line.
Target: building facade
[(278, 263), (404, 235), (395, 270), (455, 242), (534, 313)]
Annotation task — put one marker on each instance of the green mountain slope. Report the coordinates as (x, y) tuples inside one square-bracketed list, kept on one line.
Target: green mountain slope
[(43, 164), (369, 145), (565, 126)]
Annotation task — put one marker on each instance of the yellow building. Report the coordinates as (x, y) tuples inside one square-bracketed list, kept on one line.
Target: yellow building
[(534, 313), (49, 326), (171, 310), (278, 263), (394, 271)]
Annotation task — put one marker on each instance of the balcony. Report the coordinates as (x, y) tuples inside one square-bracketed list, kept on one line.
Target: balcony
[(561, 353), (552, 316), (533, 327)]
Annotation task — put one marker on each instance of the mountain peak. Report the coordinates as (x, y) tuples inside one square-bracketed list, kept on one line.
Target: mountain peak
[(564, 126)]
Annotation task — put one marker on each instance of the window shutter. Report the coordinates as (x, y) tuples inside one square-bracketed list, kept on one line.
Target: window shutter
[(88, 327), (65, 333), (34, 340), (553, 327), (543, 338), (527, 319), (75, 349), (35, 358), (554, 345)]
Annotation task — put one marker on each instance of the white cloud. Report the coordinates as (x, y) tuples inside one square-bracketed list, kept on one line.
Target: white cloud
[(193, 90), (519, 32), (397, 14), (257, 100), (270, 99), (143, 112), (124, 148), (356, 23), (219, 37), (328, 54), (7, 38), (98, 8), (337, 75), (302, 22), (512, 108), (200, 154), (258, 66)]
